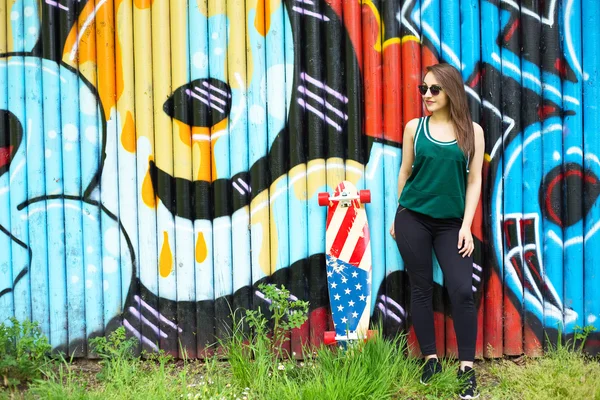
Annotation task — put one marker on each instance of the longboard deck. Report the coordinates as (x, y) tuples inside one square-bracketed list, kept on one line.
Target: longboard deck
[(348, 257)]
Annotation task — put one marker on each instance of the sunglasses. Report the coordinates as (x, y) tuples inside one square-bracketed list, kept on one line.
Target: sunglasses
[(434, 89)]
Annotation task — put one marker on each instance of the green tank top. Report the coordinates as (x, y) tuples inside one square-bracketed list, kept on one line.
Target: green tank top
[(438, 183)]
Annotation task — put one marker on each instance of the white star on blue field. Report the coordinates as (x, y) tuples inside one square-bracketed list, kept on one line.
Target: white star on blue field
[(348, 293)]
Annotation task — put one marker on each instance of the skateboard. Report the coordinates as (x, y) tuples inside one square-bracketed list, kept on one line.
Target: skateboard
[(348, 257)]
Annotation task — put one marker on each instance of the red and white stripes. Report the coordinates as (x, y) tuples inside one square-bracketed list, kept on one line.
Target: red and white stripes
[(347, 234)]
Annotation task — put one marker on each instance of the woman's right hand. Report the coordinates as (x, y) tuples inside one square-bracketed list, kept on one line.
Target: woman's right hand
[(393, 232)]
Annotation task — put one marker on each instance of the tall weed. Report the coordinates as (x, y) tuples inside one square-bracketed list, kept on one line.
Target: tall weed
[(24, 352)]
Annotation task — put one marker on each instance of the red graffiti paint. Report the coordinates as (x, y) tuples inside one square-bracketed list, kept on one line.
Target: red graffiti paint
[(5, 155)]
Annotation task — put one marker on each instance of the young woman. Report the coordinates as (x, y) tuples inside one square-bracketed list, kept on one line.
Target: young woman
[(438, 188)]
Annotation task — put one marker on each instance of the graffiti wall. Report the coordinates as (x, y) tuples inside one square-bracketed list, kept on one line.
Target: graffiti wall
[(160, 159)]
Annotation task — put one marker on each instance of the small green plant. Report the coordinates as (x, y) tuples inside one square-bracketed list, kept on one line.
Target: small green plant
[(117, 345), (574, 344), (116, 353), (24, 352), (253, 355), (286, 314), (580, 335)]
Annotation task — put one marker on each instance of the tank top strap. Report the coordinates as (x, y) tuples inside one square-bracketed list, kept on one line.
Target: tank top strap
[(420, 127)]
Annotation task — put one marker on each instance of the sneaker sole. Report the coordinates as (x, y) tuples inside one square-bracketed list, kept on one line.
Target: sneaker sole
[(470, 397)]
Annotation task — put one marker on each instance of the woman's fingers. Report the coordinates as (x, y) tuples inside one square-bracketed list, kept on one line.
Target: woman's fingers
[(467, 250), (461, 239)]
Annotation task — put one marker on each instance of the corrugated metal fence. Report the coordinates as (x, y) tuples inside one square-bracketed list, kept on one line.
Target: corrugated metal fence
[(159, 159)]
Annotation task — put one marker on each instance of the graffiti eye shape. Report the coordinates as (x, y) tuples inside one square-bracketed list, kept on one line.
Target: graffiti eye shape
[(202, 102), (552, 193), (11, 133)]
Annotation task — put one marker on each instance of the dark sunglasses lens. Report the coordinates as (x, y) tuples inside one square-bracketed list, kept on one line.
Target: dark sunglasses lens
[(423, 89), (435, 90)]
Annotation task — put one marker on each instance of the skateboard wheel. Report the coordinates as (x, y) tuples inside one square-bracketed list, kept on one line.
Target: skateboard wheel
[(329, 338), (371, 334), (323, 199), (365, 196)]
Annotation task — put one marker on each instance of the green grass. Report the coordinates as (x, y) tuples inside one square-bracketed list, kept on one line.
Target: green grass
[(560, 374), (374, 370)]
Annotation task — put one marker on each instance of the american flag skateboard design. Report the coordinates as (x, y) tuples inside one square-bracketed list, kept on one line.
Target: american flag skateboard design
[(348, 257)]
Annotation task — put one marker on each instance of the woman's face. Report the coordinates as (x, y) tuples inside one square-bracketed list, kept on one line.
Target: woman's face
[(435, 98)]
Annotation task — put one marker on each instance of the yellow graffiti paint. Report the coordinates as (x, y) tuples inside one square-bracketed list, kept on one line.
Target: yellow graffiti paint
[(354, 171), (262, 22), (125, 74), (128, 134), (201, 153), (375, 11), (335, 171), (148, 191), (143, 4), (5, 12), (105, 38), (216, 7), (391, 41), (216, 133), (165, 263), (410, 38), (161, 70), (80, 46), (144, 88), (201, 249), (316, 176), (202, 7), (236, 50), (259, 215), (297, 176), (3, 32), (275, 228), (182, 133)]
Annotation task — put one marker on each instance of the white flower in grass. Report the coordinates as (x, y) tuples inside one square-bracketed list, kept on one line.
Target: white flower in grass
[(281, 367)]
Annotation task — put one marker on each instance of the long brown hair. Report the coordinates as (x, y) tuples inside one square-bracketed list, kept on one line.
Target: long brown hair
[(452, 84)]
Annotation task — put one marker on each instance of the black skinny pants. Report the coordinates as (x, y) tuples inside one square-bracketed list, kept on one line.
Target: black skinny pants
[(416, 235)]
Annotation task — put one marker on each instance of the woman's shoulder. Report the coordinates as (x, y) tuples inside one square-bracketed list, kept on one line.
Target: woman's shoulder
[(479, 136), (477, 129), (412, 124)]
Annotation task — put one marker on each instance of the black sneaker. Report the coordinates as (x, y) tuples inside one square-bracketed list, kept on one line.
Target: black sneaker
[(468, 382), (431, 367)]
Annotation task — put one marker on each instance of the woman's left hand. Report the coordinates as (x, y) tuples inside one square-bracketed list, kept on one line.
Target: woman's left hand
[(465, 242)]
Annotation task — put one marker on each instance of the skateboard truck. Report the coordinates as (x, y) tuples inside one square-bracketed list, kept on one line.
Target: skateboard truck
[(330, 337), (345, 198)]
